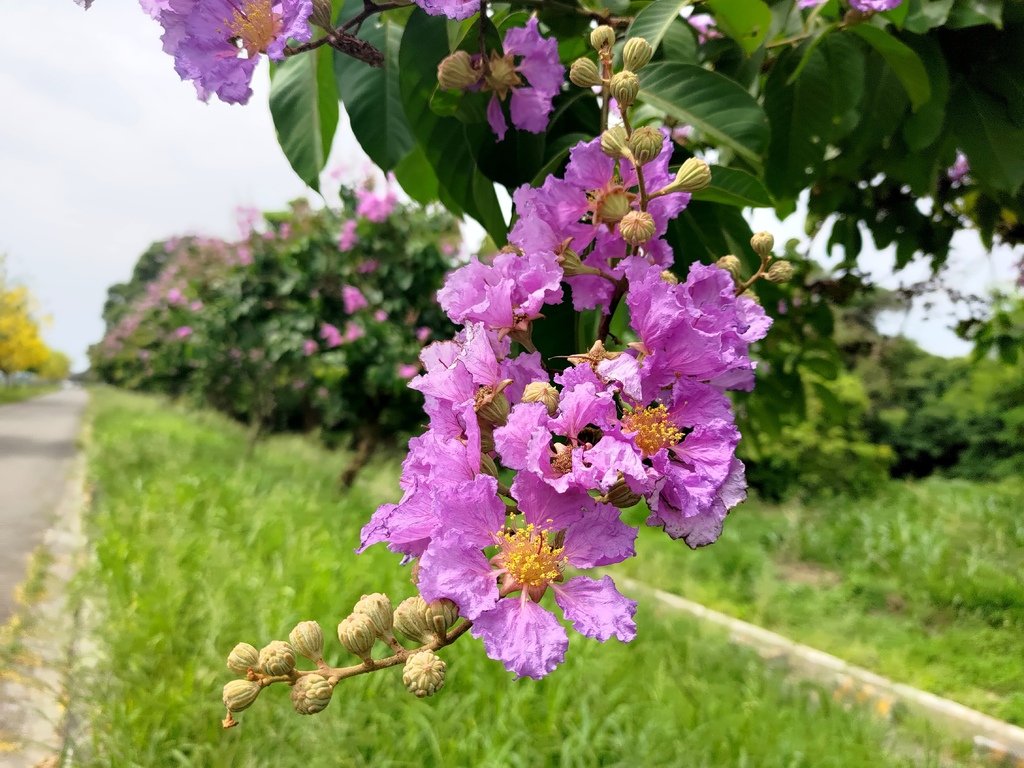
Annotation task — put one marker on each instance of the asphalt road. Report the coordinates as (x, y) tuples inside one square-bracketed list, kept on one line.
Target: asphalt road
[(37, 445)]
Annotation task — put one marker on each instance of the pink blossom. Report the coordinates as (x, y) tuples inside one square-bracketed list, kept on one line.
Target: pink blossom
[(368, 266), (380, 316), (352, 298), (244, 256), (331, 335), (183, 332), (247, 217), (375, 207), (407, 370), (309, 347), (353, 331), (196, 305), (348, 237), (422, 333), (704, 24), (175, 297)]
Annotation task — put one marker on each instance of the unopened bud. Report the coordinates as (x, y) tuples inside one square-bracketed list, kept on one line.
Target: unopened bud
[(492, 407), (612, 207), (243, 657), (277, 658), (637, 53), (615, 142), (541, 392), (486, 439), (424, 673), (693, 176), (624, 87), (357, 633), (762, 243), (583, 73), (378, 607), (487, 465), (602, 38), (669, 277), (240, 694), (637, 227), (442, 615), (411, 620), (571, 264), (321, 15), (779, 272), (308, 639), (311, 694), (731, 265), (456, 72), (620, 495), (645, 144)]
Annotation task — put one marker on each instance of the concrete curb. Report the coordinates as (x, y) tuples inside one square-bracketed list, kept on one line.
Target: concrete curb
[(33, 690), (995, 738)]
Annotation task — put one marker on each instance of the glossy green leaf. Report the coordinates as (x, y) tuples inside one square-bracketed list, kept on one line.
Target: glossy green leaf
[(372, 98), (923, 15), (745, 21), (717, 106), (416, 176), (653, 22), (975, 13), (304, 107), (901, 59), (923, 127), (732, 186), (991, 141)]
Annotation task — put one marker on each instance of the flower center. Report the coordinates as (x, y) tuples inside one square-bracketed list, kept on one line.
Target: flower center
[(255, 24), (654, 430), (609, 205), (500, 74), (561, 462), (532, 557)]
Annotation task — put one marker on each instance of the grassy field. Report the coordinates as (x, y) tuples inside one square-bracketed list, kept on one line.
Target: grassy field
[(15, 393), (199, 546), (923, 583)]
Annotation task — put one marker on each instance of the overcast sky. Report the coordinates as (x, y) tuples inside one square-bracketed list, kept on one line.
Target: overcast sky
[(104, 150)]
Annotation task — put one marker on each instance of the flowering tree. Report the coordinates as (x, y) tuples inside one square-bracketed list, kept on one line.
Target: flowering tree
[(596, 348), (22, 348)]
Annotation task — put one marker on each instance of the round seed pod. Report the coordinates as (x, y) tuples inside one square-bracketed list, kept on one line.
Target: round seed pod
[(358, 634), (240, 694), (636, 53), (645, 144), (779, 272), (762, 243), (624, 87), (308, 639), (603, 37), (277, 658), (424, 674), (242, 657), (637, 227), (311, 694), (541, 392)]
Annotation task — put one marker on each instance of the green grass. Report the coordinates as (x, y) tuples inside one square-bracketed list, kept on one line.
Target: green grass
[(198, 546), (923, 583), (15, 393)]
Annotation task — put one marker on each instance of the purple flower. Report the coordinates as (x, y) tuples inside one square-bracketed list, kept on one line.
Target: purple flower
[(554, 531), (206, 38), (353, 332), (352, 298), (182, 332), (373, 206), (175, 297), (422, 334), (704, 24), (453, 9), (538, 62), (380, 316), (331, 335), (309, 347), (958, 171), (874, 6), (368, 266), (407, 370), (348, 237)]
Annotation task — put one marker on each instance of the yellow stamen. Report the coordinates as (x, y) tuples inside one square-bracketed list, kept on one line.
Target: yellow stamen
[(255, 24), (530, 556), (653, 428)]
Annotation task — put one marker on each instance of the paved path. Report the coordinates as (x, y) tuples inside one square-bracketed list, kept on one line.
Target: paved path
[(37, 444)]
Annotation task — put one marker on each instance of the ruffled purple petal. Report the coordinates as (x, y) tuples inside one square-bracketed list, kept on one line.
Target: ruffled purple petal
[(496, 118), (524, 637), (599, 538), (453, 569), (596, 608), (545, 508)]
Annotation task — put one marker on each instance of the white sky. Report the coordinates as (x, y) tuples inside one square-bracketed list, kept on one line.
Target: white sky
[(104, 150)]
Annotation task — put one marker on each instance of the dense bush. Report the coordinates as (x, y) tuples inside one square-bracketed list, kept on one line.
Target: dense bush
[(313, 321)]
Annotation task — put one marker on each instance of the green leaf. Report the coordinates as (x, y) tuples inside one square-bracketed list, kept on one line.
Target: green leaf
[(705, 231), (680, 43), (417, 177), (304, 107), (372, 98), (990, 140), (975, 13), (815, 40), (924, 15), (444, 141), (745, 21), (717, 106), (923, 127), (732, 186), (901, 59), (653, 22)]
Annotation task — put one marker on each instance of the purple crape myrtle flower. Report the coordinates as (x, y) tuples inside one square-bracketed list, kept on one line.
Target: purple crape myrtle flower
[(331, 335), (531, 56), (182, 332), (874, 6), (704, 25), (348, 238), (453, 9), (505, 295), (959, 170), (581, 211), (353, 299), (374, 206), (530, 554), (208, 38), (810, 3)]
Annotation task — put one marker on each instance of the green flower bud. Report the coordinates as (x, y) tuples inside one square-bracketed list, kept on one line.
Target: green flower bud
[(613, 206), (584, 73), (620, 495), (637, 53), (731, 265), (358, 634), (762, 243), (693, 175), (541, 392), (637, 227), (487, 465), (424, 674), (277, 658), (378, 607), (311, 694), (779, 272), (442, 615), (411, 620), (645, 144), (240, 694), (624, 87), (491, 407), (456, 72), (308, 639), (602, 38), (614, 142), (242, 657)]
